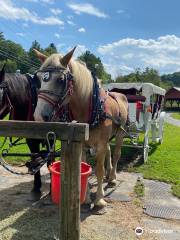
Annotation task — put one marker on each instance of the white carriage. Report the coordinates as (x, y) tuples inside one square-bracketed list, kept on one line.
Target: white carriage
[(145, 112)]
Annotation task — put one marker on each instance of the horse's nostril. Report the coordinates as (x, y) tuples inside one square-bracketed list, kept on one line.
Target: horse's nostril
[(46, 118)]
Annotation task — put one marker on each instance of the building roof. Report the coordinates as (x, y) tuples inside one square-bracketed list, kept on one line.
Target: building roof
[(173, 93)]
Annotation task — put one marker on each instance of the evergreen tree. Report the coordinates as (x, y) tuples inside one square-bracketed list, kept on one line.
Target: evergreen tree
[(50, 49)]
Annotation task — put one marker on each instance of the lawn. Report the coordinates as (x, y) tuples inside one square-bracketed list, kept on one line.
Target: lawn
[(176, 115), (164, 160)]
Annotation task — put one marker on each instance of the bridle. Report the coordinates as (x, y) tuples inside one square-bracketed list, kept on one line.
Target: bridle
[(67, 87)]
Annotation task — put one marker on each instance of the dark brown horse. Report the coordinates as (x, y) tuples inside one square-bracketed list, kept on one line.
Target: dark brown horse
[(18, 99)]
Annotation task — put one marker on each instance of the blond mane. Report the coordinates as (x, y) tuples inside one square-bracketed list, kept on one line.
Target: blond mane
[(81, 74)]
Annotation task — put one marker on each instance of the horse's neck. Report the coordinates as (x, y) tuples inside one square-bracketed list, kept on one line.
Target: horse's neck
[(80, 100), (18, 90)]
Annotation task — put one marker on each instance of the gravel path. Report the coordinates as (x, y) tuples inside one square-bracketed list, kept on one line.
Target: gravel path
[(171, 120), (20, 219)]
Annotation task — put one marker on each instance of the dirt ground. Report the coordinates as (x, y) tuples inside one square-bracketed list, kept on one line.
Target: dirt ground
[(19, 219), (22, 219)]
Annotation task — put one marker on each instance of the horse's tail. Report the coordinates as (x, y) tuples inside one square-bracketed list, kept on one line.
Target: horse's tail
[(127, 125)]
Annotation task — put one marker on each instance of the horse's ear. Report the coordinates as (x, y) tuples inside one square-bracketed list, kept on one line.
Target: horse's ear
[(2, 73), (42, 57), (66, 59)]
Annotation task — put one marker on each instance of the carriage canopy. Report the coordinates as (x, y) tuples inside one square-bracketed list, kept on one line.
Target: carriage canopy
[(147, 89)]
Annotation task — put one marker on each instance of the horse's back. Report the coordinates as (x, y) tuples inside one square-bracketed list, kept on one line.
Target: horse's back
[(118, 105)]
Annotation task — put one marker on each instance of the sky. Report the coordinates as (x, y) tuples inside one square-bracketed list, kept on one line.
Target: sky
[(125, 34)]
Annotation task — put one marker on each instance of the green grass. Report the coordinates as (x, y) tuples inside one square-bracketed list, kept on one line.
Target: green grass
[(139, 189), (22, 148), (176, 115), (164, 160)]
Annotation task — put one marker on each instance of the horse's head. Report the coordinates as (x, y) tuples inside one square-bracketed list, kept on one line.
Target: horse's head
[(2, 77), (56, 85)]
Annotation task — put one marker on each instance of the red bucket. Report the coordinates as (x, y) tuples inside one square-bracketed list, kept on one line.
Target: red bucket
[(55, 181)]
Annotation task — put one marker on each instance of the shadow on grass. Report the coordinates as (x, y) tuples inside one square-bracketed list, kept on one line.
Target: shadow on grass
[(133, 157)]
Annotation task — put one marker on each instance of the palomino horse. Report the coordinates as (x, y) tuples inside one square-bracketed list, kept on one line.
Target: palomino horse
[(68, 84), (16, 99)]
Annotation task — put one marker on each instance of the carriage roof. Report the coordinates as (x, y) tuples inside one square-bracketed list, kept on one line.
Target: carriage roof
[(147, 89)]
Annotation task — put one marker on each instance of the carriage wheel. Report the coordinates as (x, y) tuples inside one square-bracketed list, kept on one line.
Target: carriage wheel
[(145, 149)]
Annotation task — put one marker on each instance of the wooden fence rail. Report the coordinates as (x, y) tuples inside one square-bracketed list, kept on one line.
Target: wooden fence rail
[(72, 136)]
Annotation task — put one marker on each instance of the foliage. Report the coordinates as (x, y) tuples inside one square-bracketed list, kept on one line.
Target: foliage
[(139, 188), (174, 78), (50, 49), (95, 65), (149, 75), (17, 58)]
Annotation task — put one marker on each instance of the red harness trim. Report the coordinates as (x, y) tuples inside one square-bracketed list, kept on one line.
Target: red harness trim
[(47, 99)]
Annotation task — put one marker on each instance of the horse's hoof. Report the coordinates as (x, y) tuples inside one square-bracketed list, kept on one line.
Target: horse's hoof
[(99, 210), (35, 195), (111, 184), (85, 207)]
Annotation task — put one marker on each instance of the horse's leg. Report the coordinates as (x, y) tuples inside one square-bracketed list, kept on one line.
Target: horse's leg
[(87, 203), (100, 158), (33, 145), (116, 157), (108, 161)]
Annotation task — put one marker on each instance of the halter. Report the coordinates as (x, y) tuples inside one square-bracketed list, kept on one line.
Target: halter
[(67, 91)]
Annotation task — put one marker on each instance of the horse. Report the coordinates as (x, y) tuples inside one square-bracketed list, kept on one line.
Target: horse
[(18, 98), (68, 89)]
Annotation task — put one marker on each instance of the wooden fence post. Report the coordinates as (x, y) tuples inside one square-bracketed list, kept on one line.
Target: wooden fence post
[(70, 191)]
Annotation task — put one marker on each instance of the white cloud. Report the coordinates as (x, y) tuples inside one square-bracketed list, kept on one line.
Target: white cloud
[(57, 35), (87, 8), (47, 1), (20, 34), (83, 30), (56, 11), (127, 54), (71, 23), (70, 17), (48, 21), (25, 25), (41, 1), (10, 12), (120, 11)]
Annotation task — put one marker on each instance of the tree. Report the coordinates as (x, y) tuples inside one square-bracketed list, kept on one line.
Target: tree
[(50, 49), (1, 36), (151, 75), (33, 59), (172, 78), (95, 65)]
